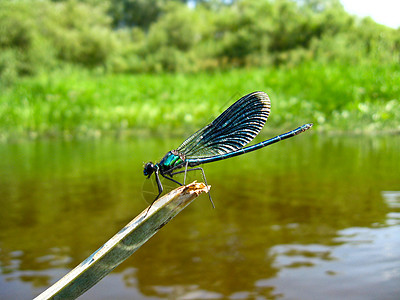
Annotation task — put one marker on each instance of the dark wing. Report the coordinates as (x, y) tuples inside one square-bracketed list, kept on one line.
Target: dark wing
[(232, 130)]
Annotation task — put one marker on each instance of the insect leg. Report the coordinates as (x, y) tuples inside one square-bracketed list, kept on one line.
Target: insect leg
[(160, 190), (159, 185), (204, 177), (186, 168), (169, 178)]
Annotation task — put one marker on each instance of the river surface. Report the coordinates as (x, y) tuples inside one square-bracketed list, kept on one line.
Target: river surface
[(308, 218)]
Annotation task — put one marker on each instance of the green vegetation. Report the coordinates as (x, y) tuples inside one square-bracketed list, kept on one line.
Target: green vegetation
[(335, 97), (173, 36), (84, 68)]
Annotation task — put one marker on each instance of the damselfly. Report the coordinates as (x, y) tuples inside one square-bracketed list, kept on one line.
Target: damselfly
[(223, 138)]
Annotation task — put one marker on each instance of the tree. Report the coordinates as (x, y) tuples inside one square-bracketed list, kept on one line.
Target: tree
[(141, 13)]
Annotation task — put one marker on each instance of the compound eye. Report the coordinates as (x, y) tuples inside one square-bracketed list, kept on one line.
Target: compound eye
[(148, 169)]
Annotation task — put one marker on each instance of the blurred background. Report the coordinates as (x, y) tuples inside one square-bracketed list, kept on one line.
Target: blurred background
[(84, 68), (89, 90)]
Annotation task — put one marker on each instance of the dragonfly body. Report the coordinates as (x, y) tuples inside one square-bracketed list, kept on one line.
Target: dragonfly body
[(195, 162), (224, 138), (172, 160)]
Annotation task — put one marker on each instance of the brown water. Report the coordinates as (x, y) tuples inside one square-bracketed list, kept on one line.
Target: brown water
[(307, 218)]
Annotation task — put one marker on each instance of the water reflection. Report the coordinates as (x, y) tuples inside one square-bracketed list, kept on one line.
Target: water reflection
[(305, 218)]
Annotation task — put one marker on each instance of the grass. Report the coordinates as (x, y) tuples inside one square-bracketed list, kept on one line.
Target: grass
[(79, 103)]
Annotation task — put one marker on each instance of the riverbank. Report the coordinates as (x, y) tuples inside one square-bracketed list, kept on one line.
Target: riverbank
[(80, 103)]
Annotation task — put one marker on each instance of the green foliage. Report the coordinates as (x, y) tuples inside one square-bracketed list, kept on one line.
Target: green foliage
[(366, 42), (79, 33), (170, 38), (241, 33), (141, 13), (317, 62), (37, 35), (23, 50), (77, 103), (159, 35)]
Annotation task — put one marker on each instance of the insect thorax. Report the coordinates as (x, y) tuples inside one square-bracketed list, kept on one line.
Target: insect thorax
[(173, 159)]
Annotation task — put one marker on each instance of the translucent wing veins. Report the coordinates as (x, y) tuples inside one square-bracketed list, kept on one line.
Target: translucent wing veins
[(232, 130)]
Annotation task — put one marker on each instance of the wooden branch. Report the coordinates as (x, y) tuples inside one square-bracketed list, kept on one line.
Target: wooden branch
[(123, 244)]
